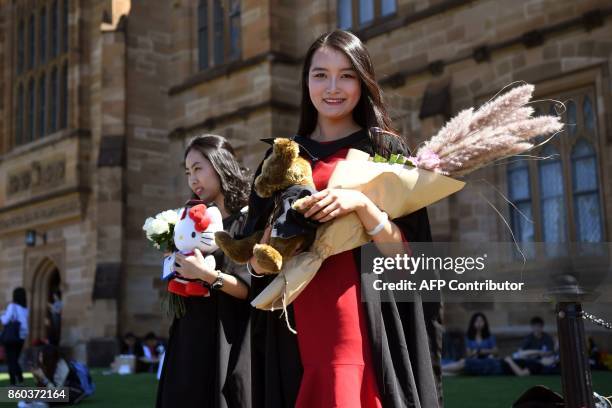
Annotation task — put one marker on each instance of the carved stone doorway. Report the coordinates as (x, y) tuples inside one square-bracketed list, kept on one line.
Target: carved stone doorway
[(46, 280)]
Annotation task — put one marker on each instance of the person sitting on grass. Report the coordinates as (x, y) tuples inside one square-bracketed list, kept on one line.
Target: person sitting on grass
[(537, 352), (130, 345), (54, 372), (152, 349), (481, 353)]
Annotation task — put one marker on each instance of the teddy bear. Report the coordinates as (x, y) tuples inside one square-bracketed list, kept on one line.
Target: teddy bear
[(195, 229), (287, 177)]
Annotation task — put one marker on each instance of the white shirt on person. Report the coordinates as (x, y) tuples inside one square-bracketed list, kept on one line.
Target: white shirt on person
[(19, 313)]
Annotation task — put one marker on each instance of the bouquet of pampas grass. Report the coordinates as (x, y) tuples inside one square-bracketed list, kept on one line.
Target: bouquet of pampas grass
[(501, 128)]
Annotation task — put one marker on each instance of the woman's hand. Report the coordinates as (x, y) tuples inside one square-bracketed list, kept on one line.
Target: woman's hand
[(332, 203), (194, 267)]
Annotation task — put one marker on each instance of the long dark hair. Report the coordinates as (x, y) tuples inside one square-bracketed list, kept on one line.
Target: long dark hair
[(50, 357), (19, 297), (370, 112), (471, 331), (220, 153)]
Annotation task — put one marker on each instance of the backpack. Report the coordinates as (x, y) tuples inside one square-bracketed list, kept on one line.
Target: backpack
[(82, 377), (10, 334)]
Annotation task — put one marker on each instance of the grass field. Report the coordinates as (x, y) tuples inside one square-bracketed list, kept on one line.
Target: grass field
[(135, 391)]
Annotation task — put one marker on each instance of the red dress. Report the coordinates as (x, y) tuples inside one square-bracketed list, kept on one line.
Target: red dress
[(332, 329)]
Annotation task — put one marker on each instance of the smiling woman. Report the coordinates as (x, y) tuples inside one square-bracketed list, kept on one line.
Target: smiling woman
[(346, 353), (206, 348)]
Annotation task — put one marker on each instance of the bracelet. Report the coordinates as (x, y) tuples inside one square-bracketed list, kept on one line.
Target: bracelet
[(380, 226), (251, 272)]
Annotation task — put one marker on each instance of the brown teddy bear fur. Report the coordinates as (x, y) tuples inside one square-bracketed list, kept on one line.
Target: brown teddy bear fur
[(282, 169)]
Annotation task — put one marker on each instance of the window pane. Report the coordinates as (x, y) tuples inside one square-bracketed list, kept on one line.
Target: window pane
[(588, 218), (31, 110), (203, 34), (54, 29), (551, 181), (572, 122), (366, 11), (218, 32), (388, 7), (20, 46), (235, 29), (551, 192), (345, 14), (64, 98), (32, 42), (53, 102), (553, 220), (518, 184), (522, 227), (586, 193), (65, 26), (41, 106), (520, 195), (43, 35), (19, 117), (585, 175), (589, 115), (584, 167)]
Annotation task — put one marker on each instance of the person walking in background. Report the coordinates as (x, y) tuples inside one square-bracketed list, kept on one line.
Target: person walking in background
[(16, 314), (55, 318)]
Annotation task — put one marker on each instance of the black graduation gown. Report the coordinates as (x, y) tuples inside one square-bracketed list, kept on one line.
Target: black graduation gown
[(207, 361), (402, 345)]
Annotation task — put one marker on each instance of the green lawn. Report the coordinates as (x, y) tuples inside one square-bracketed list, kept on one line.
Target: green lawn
[(135, 391)]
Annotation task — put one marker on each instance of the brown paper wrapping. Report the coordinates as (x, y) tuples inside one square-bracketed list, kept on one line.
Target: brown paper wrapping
[(395, 189)]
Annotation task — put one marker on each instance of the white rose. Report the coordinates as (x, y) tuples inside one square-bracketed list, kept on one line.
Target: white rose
[(147, 226), (159, 227), (170, 216)]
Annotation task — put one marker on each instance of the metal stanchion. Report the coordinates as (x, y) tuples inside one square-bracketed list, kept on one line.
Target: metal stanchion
[(575, 370)]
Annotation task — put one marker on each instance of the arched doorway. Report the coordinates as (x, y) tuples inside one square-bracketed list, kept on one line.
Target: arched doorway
[(44, 325)]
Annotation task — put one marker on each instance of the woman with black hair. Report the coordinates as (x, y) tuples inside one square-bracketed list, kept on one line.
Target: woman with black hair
[(346, 353), (207, 363), (480, 352), (16, 313)]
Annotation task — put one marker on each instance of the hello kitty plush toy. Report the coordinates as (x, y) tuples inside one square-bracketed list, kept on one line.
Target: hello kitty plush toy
[(195, 229)]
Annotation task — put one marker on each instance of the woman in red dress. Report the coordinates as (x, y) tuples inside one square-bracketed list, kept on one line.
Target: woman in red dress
[(346, 353)]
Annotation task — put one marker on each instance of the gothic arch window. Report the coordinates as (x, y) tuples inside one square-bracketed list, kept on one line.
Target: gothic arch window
[(519, 187), (53, 100), (31, 41), (552, 206), (42, 100), (203, 34), (20, 46), (42, 33), (41, 70), (31, 109), (54, 29), (218, 32), (585, 186), (565, 189), (19, 132)]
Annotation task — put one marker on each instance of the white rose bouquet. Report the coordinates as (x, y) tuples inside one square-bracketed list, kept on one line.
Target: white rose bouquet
[(160, 230)]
